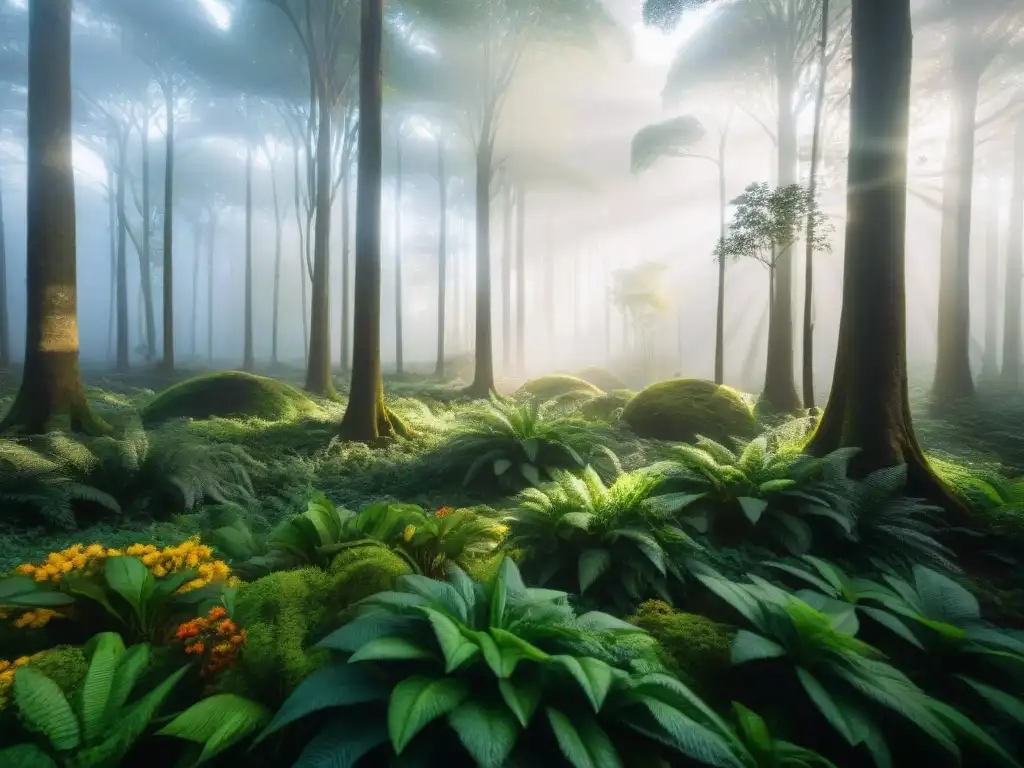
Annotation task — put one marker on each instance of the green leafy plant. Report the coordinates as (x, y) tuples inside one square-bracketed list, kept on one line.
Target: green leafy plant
[(465, 673), (103, 722), (520, 443), (602, 542), (768, 484), (845, 680), (215, 724), (765, 751)]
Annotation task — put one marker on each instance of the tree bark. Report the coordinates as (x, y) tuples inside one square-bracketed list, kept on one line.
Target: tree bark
[(211, 245), (146, 252), (483, 375), (442, 256), (508, 201), (303, 259), (953, 378), (720, 305), (51, 392), (990, 355), (248, 356), (168, 298), (779, 386), (399, 358), (521, 279), (123, 360), (318, 367), (366, 418), (1011, 369), (346, 308), (819, 115), (197, 249), (277, 266), (868, 407)]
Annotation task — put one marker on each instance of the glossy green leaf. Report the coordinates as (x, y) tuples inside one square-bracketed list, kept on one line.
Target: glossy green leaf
[(416, 702)]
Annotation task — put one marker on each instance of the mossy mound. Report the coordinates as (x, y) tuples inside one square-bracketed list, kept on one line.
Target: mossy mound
[(601, 378), (692, 646), (557, 386), (681, 409), (360, 572), (226, 394), (607, 407)]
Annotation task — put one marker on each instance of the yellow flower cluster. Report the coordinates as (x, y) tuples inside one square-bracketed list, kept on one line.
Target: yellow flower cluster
[(189, 555), (7, 670), (36, 619)]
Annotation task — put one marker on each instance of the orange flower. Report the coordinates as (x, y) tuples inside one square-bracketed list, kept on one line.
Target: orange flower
[(196, 648), (227, 627), (443, 512), (216, 613)]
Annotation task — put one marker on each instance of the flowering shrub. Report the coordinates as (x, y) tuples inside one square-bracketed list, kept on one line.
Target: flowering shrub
[(214, 638)]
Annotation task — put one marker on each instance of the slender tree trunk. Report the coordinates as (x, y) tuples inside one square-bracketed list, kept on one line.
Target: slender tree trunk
[(346, 307), (366, 418), (197, 251), (868, 407), (51, 391), (819, 116), (442, 256), (248, 356), (318, 367), (211, 245), (274, 324), (5, 330), (399, 358), (720, 304), (168, 300), (508, 201), (953, 378), (990, 355), (303, 259), (112, 225), (779, 386), (521, 279), (122, 362), (1011, 369), (146, 252), (483, 376)]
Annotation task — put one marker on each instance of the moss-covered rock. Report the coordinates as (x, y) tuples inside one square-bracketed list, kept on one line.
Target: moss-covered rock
[(607, 407), (558, 386), (363, 571), (681, 409), (281, 614), (226, 394), (692, 646), (601, 378)]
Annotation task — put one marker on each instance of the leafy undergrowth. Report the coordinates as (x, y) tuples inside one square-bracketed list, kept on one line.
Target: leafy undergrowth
[(517, 583)]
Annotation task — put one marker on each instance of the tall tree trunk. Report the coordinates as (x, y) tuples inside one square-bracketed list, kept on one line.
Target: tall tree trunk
[(442, 255), (277, 266), (868, 407), (168, 301), (508, 200), (146, 252), (123, 360), (399, 361), (953, 378), (779, 385), (990, 355), (51, 391), (521, 279), (197, 251), (366, 418), (819, 114), (346, 308), (303, 260), (483, 375), (5, 329), (248, 356), (720, 304), (112, 225), (318, 367), (1014, 268), (211, 245)]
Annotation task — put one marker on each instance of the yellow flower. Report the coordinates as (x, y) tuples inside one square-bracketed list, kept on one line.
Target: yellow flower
[(79, 562), (410, 531), (26, 569), (94, 551), (21, 661), (159, 571)]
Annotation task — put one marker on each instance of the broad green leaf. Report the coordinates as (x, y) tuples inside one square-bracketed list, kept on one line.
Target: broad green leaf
[(395, 648), (456, 648), (367, 626), (43, 708), (344, 741), (592, 675), (416, 702), (830, 708), (522, 695), (94, 694), (530, 448), (133, 663), (754, 728), (587, 746), (336, 685), (129, 578), (747, 646), (962, 725), (217, 722), (1000, 701), (530, 472), (488, 731), (690, 737), (594, 563), (25, 756), (86, 587), (491, 652), (28, 593), (501, 466), (505, 639), (752, 508), (893, 624)]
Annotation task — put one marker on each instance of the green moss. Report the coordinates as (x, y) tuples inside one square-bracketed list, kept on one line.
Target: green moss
[(607, 407), (228, 393), (281, 613), (681, 409), (601, 378), (559, 386), (484, 570), (692, 646), (363, 571), (65, 665)]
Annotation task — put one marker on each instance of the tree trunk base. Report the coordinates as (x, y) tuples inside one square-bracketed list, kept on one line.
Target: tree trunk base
[(51, 397), (479, 390)]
